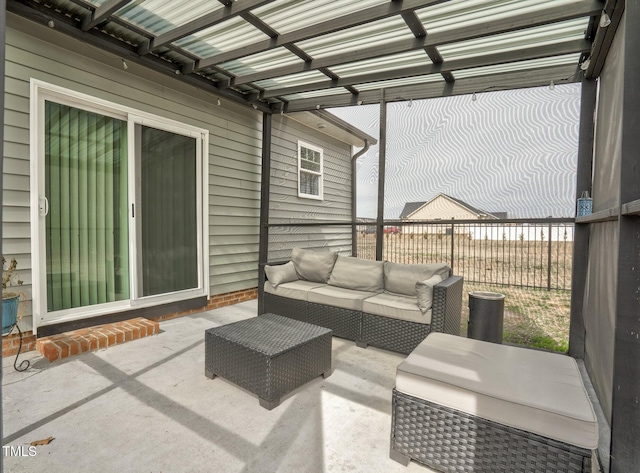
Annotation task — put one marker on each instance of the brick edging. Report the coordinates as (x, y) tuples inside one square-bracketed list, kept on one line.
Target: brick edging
[(10, 343)]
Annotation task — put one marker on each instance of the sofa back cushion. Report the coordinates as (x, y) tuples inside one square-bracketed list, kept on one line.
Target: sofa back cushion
[(402, 278), (313, 265), (358, 274)]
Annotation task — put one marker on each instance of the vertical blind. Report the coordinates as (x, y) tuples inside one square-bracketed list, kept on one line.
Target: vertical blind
[(86, 227)]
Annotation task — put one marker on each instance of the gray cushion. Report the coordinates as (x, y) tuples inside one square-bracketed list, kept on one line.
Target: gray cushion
[(358, 274), (338, 297), (293, 290), (313, 265), (397, 307), (424, 292), (277, 274), (402, 278)]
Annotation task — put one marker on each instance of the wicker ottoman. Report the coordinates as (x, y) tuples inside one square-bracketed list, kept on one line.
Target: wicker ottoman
[(269, 355), (463, 405)]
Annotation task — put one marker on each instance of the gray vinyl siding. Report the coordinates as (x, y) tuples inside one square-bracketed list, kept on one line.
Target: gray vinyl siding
[(235, 145), (286, 206)]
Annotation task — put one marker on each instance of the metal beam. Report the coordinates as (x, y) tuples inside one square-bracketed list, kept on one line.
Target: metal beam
[(382, 159), (368, 15), (604, 38), (577, 9), (504, 81), (102, 13), (201, 23), (3, 20), (42, 15), (444, 67)]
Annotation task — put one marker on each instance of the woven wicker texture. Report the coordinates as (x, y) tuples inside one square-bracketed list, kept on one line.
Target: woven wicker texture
[(450, 441), (292, 308), (268, 355), (397, 335), (343, 322), (447, 306)]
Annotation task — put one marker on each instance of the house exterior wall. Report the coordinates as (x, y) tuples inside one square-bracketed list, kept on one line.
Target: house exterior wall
[(234, 145), (285, 205)]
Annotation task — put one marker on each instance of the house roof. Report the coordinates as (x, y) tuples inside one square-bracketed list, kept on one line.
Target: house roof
[(298, 55), (412, 207), (328, 123)]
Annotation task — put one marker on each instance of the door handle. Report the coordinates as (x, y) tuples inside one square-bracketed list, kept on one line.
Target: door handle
[(43, 207)]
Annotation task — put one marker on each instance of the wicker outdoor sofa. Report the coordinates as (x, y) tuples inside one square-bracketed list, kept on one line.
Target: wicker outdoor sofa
[(387, 305)]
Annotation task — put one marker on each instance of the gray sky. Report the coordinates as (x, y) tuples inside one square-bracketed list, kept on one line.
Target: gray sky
[(511, 151)]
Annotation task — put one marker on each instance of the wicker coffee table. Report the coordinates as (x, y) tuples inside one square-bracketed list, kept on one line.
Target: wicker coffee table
[(269, 355)]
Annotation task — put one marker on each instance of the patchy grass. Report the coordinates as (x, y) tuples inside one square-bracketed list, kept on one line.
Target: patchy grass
[(532, 317)]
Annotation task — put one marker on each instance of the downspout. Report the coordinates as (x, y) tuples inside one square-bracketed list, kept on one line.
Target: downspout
[(354, 196)]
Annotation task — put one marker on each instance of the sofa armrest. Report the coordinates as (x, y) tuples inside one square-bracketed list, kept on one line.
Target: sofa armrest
[(261, 280), (446, 311)]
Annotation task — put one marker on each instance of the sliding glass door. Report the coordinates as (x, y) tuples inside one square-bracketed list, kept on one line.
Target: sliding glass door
[(167, 219), (87, 237), (120, 212)]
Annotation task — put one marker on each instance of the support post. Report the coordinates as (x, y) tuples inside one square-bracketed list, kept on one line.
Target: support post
[(265, 184), (382, 156), (581, 230), (625, 408)]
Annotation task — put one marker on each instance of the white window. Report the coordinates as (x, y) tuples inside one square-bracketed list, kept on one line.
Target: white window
[(309, 171), (118, 208)]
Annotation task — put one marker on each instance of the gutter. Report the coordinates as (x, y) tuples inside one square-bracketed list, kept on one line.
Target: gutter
[(354, 158)]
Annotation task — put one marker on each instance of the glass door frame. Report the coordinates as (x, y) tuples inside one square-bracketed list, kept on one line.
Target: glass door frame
[(41, 91)]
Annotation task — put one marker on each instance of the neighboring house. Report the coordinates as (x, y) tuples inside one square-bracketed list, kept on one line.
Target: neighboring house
[(128, 193), (441, 207)]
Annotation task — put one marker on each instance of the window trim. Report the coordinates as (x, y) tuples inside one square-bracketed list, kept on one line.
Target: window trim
[(320, 174), (39, 93)]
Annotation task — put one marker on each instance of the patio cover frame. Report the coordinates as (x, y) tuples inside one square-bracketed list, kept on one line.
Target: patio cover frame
[(100, 25)]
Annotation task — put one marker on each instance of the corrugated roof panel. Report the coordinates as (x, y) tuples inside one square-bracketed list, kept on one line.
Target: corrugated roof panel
[(232, 34), (529, 38), (378, 32), (517, 66), (387, 63), (467, 13), (96, 3), (291, 15), (400, 82), (278, 57), (316, 93), (291, 80), (159, 16)]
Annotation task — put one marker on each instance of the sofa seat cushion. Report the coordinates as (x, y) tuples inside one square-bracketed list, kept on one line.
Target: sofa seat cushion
[(402, 278), (358, 274), (339, 297), (293, 290), (531, 390), (396, 306)]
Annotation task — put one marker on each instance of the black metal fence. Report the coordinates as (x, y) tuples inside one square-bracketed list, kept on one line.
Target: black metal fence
[(532, 253)]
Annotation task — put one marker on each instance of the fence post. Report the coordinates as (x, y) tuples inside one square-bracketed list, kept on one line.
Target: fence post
[(549, 260), (452, 242)]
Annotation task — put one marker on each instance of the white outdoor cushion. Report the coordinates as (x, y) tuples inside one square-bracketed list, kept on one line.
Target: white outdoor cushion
[(358, 274), (293, 290), (339, 297), (402, 278), (279, 273), (424, 292), (531, 390), (313, 265), (396, 306)]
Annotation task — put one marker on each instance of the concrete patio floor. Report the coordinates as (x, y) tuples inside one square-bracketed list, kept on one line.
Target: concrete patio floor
[(146, 406)]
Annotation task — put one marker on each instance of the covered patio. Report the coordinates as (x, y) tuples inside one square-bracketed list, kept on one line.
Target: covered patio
[(266, 60)]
